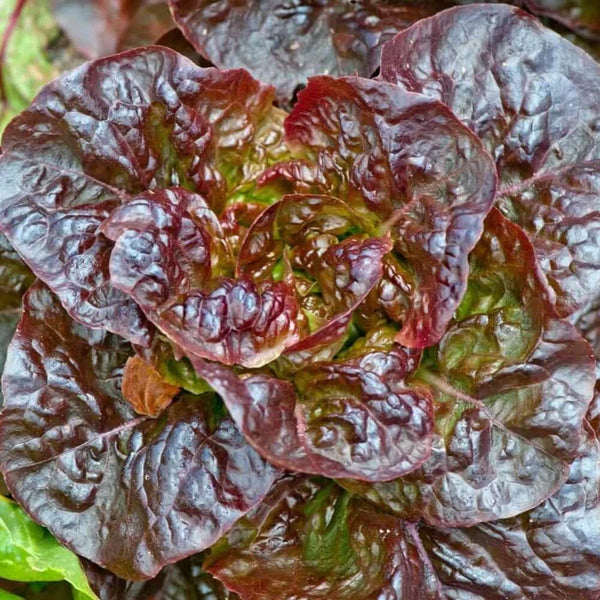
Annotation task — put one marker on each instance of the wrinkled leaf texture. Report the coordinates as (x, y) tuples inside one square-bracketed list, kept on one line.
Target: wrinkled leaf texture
[(511, 386), (130, 493), (533, 99), (407, 165), (101, 134), (284, 43), (336, 546), (333, 543)]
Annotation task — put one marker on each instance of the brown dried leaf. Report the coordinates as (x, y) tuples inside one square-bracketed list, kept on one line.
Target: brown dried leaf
[(145, 389)]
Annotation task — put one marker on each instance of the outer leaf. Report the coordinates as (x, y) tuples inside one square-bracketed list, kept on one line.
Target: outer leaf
[(335, 546), (128, 492), (511, 389), (410, 163), (549, 553), (534, 100), (354, 418), (144, 119), (29, 553), (283, 43), (100, 27), (169, 258), (185, 580)]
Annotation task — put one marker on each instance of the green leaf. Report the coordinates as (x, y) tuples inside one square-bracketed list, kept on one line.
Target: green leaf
[(27, 65), (29, 553)]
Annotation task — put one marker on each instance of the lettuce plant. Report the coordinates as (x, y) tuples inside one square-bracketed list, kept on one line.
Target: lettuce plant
[(341, 352)]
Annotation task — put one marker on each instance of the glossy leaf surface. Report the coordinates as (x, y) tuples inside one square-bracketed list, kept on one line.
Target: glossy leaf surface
[(511, 388), (406, 165), (283, 43), (352, 418), (536, 110), (96, 137), (549, 553), (130, 493), (29, 553), (336, 546), (171, 256)]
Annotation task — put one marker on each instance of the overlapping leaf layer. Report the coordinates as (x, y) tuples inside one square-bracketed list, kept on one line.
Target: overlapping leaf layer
[(388, 287)]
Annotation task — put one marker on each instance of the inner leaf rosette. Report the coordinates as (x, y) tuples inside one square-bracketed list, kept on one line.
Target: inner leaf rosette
[(129, 492), (405, 168)]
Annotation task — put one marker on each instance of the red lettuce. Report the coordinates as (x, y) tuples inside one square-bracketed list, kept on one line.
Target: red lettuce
[(394, 286), (283, 43), (129, 492)]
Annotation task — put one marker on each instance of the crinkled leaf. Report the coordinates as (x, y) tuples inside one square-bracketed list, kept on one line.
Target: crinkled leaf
[(283, 43), (332, 266), (169, 256), (185, 580), (145, 389), (353, 418), (549, 553), (29, 553), (533, 98), (405, 163), (511, 388), (140, 120), (130, 493), (310, 540), (100, 27)]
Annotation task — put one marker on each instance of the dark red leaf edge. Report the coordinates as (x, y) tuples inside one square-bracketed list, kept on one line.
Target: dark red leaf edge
[(130, 493), (536, 111), (285, 43), (92, 139)]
